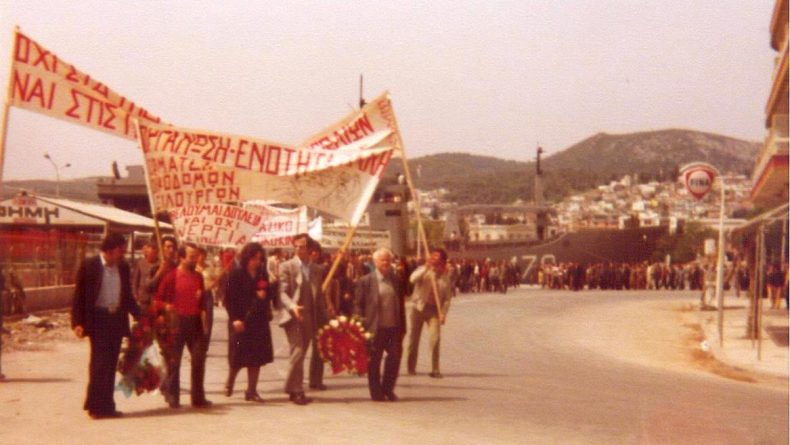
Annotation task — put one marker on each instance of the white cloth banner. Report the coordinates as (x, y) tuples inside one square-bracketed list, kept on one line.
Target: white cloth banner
[(220, 225), (187, 167), (376, 116), (278, 226), (333, 238), (316, 229), (42, 82)]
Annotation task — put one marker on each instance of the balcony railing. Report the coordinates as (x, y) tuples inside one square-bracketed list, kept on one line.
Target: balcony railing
[(776, 144)]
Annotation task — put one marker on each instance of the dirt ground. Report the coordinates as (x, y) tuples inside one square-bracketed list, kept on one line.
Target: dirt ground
[(37, 332)]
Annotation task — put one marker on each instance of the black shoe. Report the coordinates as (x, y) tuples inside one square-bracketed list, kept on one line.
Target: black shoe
[(319, 386), (378, 398), (228, 391), (299, 398), (436, 375), (172, 402), (253, 397), (412, 372), (105, 415), (202, 403), (391, 396)]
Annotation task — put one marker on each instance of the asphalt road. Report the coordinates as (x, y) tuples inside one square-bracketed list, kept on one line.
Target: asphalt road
[(527, 367)]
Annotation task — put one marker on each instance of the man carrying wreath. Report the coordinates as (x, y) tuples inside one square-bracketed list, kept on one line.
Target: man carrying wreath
[(303, 308), (379, 300), (101, 307)]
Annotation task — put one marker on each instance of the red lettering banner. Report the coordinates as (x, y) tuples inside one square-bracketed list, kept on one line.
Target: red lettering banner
[(42, 82)]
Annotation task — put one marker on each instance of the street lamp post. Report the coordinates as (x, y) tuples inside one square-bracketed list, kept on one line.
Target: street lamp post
[(720, 266), (57, 172)]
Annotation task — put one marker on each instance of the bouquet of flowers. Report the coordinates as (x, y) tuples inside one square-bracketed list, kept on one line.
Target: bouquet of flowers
[(164, 325), (140, 364), (341, 342)]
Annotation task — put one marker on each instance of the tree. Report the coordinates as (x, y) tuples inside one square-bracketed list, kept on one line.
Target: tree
[(683, 247)]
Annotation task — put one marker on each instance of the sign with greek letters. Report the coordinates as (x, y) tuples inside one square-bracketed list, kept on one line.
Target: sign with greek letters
[(187, 167), (43, 82), (279, 226), (370, 240), (221, 225)]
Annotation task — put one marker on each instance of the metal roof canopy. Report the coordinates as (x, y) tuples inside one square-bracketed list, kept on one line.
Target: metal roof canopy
[(109, 216), (775, 214)]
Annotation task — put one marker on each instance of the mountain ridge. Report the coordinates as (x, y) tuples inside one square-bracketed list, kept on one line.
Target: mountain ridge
[(596, 160), (473, 179)]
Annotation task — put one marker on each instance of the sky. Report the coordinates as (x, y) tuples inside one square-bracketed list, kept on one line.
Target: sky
[(494, 78)]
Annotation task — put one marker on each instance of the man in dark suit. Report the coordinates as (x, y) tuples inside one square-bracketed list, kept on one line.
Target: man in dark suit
[(101, 307), (379, 300)]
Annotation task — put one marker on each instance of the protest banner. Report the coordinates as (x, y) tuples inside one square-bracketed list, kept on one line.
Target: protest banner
[(220, 225), (369, 240), (187, 167), (41, 81), (376, 116), (278, 225)]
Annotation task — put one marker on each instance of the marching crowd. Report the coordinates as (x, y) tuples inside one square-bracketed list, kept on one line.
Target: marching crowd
[(643, 275), (176, 288), (179, 289)]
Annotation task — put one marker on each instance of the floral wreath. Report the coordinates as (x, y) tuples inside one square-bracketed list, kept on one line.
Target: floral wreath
[(341, 342)]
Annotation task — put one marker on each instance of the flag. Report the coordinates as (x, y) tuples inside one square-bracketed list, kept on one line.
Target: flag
[(316, 229)]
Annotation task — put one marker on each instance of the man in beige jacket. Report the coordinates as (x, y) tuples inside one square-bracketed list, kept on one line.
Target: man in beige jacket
[(423, 308)]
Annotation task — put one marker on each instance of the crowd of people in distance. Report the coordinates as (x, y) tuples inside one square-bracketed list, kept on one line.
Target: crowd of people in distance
[(699, 276), (639, 276)]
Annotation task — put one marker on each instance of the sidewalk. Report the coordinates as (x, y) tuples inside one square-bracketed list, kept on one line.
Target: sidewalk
[(768, 358)]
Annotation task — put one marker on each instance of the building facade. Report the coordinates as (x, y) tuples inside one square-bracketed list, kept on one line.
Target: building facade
[(770, 181)]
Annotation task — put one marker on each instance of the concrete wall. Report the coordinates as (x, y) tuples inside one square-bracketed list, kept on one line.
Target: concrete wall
[(46, 298)]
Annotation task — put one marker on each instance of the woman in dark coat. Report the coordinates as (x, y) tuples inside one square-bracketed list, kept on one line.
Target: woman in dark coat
[(249, 311)]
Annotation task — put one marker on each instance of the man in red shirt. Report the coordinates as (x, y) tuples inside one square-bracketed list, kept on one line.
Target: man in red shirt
[(181, 292)]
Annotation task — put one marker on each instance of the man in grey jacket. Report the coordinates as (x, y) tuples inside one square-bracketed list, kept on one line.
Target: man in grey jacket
[(379, 300), (303, 308)]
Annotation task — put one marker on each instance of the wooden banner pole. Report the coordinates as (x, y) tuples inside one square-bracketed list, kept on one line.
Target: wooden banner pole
[(154, 213), (335, 264), (7, 107), (420, 227)]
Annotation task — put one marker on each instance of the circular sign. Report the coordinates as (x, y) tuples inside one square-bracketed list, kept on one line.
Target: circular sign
[(699, 181)]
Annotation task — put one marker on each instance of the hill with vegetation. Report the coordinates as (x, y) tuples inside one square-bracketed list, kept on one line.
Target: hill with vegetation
[(655, 155), (83, 189), (473, 179)]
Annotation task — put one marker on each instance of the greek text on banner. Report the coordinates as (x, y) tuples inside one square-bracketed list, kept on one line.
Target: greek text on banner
[(182, 171), (42, 82)]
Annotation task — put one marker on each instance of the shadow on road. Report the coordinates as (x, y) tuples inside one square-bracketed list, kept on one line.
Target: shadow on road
[(471, 374), (214, 410), (778, 334), (37, 380), (459, 387), (401, 400)]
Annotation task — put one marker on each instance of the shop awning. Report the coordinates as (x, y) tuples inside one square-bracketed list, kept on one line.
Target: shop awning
[(44, 211)]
